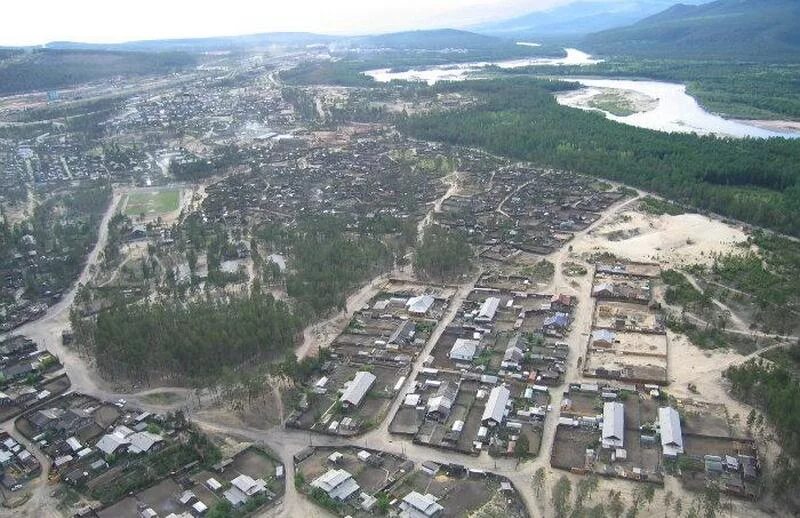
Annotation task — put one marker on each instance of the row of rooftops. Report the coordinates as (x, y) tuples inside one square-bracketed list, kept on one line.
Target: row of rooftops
[(613, 428), (340, 486)]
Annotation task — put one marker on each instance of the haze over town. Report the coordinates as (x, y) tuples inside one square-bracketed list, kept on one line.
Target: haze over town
[(420, 259), (97, 21)]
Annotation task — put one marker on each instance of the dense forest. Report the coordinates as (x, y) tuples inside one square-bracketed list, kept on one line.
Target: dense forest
[(774, 390), (327, 72), (327, 260), (197, 169), (192, 342), (48, 69), (520, 118), (442, 253)]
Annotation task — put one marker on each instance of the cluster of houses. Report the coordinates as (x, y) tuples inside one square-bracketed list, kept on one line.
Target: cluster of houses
[(485, 383), (373, 356), (29, 376), (49, 158), (522, 208), (640, 433), (360, 181), (18, 465), (350, 478), (246, 482), (84, 436)]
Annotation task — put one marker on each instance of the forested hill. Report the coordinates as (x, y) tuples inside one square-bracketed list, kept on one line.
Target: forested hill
[(576, 18), (429, 40), (48, 69), (751, 30)]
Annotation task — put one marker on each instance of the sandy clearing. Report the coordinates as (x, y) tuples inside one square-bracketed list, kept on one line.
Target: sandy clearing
[(672, 241), (772, 125)]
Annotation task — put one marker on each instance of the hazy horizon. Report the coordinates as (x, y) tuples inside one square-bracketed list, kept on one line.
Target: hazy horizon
[(41, 21)]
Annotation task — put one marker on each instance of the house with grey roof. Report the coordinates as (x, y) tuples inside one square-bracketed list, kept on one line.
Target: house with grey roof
[(356, 389)]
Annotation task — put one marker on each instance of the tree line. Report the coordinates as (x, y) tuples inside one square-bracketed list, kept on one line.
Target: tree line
[(775, 392)]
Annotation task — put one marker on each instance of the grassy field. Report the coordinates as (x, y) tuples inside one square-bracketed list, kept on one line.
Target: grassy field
[(152, 203)]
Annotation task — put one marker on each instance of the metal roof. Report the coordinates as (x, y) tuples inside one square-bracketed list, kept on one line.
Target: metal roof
[(496, 406), (671, 438), (613, 424), (357, 388)]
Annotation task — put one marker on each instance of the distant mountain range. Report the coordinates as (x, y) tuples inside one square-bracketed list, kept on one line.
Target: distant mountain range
[(577, 18), (293, 39), (424, 40), (760, 30)]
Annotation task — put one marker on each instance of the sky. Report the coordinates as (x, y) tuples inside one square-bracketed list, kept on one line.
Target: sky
[(34, 22)]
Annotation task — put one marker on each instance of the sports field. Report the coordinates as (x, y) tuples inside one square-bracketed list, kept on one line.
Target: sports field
[(152, 203)]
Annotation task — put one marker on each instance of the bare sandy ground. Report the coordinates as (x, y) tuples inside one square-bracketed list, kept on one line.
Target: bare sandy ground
[(772, 125), (672, 241), (587, 98)]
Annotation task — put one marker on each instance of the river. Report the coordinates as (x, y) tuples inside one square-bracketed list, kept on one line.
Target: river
[(670, 108), (461, 71)]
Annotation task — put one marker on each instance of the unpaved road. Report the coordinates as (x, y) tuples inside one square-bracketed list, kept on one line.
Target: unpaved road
[(286, 443)]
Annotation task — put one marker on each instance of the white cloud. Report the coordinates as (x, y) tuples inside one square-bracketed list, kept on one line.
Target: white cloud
[(33, 22)]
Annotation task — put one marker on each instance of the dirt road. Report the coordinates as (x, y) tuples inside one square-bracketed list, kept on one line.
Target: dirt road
[(285, 442)]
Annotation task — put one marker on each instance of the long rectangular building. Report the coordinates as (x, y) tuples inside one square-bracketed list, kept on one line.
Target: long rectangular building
[(613, 425), (357, 388), (671, 437), (495, 408), (488, 309)]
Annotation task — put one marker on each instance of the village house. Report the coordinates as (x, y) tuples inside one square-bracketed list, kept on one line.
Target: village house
[(356, 389), (613, 431), (464, 349), (338, 484), (669, 422), (417, 505), (439, 405), (495, 410)]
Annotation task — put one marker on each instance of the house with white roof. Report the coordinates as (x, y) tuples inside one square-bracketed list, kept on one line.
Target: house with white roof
[(464, 349), (613, 425), (338, 484), (420, 305), (669, 422), (143, 442), (439, 405), (417, 505), (356, 389), (243, 488), (514, 354), (495, 409), (112, 442), (488, 309)]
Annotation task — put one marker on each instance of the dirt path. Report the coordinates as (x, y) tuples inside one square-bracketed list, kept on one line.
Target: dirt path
[(453, 187), (499, 208), (285, 443), (46, 331), (738, 323)]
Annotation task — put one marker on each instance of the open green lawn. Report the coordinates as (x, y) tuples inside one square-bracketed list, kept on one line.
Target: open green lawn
[(152, 203)]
